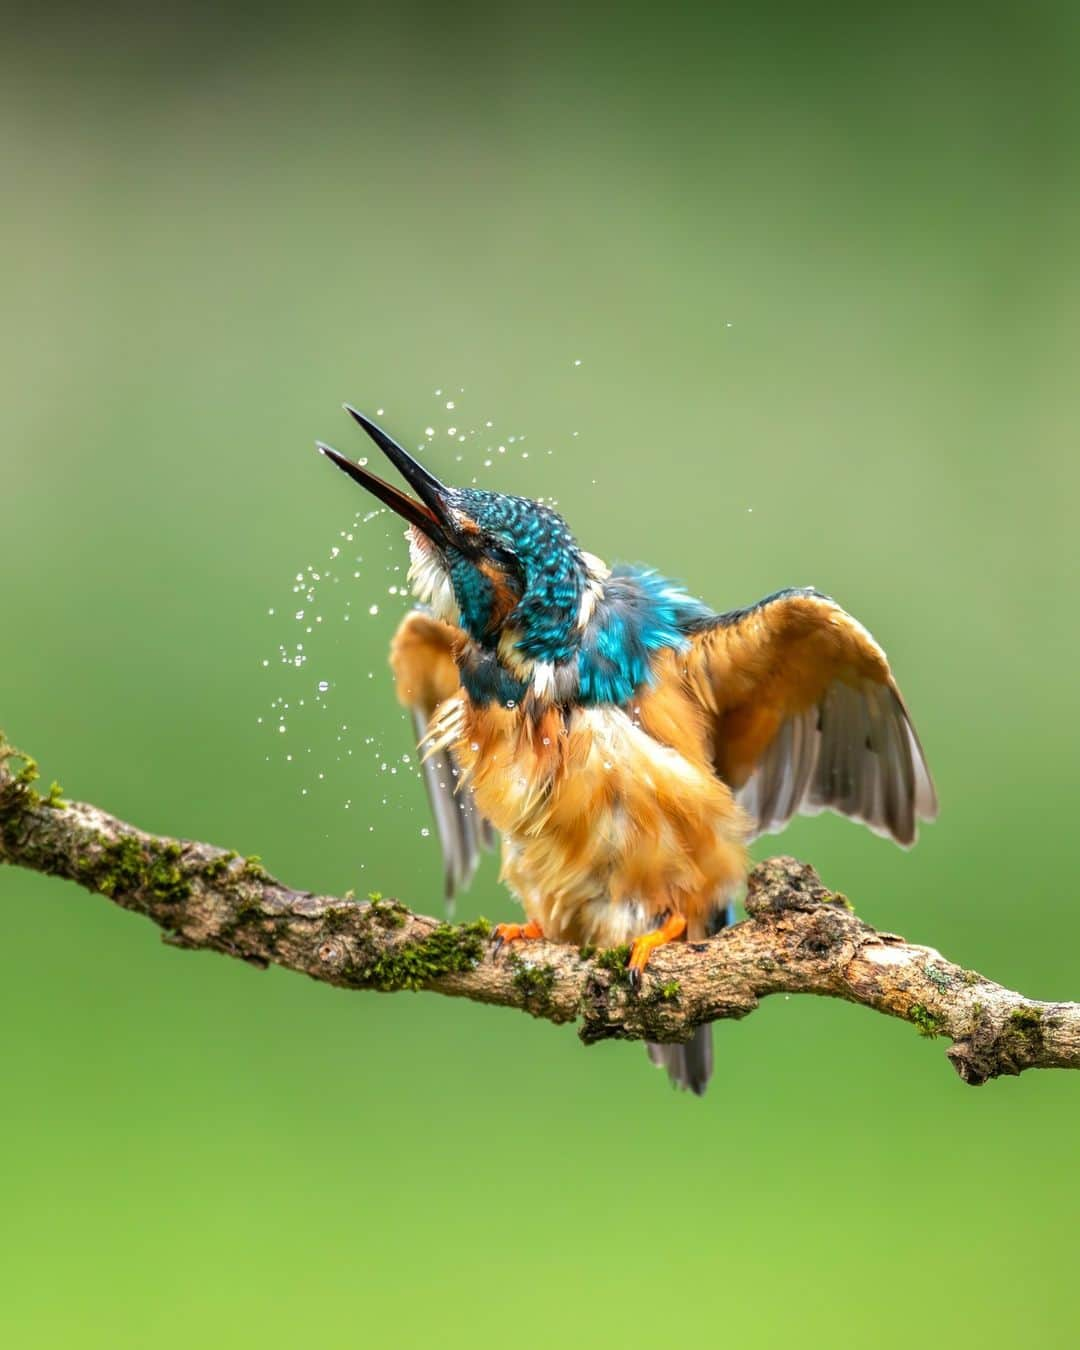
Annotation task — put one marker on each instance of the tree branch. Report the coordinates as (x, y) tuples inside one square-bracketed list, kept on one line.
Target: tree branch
[(799, 939)]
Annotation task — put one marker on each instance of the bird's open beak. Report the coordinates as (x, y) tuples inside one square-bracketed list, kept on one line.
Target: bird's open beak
[(430, 513)]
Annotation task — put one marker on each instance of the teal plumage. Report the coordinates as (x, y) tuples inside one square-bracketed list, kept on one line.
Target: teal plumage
[(624, 739)]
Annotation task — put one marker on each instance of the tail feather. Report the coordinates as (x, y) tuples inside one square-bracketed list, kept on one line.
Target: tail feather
[(690, 1066)]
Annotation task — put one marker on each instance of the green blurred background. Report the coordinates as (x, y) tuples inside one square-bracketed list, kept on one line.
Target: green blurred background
[(819, 267)]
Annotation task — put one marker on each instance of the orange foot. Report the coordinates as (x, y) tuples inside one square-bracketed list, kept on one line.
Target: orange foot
[(514, 932), (644, 946)]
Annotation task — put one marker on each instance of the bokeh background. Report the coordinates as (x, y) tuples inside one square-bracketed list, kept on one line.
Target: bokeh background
[(819, 268)]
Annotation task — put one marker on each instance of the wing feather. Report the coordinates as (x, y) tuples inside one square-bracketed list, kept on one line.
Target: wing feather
[(807, 717), (426, 675)]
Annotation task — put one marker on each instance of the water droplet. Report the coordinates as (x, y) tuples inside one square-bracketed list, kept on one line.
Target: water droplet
[(577, 363), (424, 831), (429, 431), (362, 461), (266, 663), (373, 609), (299, 614), (450, 403), (324, 685), (451, 431)]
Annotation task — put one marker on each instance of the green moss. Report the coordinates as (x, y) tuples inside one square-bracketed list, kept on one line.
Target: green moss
[(248, 906), (668, 992), (587, 951), (22, 783), (926, 1022), (613, 960), (412, 965), (28, 774), (533, 982), (216, 868), (254, 870), (18, 795), (339, 918), (387, 913), (131, 866), (1026, 1020), (838, 898)]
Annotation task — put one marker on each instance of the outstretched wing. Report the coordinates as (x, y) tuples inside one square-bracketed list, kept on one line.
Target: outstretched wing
[(806, 716), (425, 673)]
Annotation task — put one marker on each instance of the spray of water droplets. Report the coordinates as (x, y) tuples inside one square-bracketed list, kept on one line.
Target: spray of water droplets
[(336, 729)]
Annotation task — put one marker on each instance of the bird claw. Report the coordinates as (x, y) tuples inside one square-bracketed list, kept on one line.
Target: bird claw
[(513, 932), (643, 947)]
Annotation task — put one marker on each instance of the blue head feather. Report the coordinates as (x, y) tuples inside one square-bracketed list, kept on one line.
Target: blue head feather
[(532, 546), (526, 573)]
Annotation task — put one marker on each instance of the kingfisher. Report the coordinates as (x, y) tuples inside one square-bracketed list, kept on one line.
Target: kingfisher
[(625, 740)]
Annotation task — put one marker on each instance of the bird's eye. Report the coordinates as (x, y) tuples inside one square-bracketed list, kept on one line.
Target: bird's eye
[(507, 563)]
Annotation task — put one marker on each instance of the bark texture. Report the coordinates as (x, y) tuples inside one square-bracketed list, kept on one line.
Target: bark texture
[(800, 938)]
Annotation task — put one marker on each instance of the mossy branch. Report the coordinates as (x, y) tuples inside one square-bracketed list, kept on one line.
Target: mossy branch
[(799, 939)]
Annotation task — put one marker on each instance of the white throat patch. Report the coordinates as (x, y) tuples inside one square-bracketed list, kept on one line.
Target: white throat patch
[(429, 579)]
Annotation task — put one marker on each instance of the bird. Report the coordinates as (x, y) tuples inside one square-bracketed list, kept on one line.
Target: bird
[(625, 740)]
